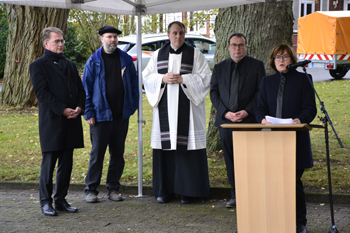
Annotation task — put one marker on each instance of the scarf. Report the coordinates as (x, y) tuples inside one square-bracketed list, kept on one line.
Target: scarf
[(58, 59), (184, 103)]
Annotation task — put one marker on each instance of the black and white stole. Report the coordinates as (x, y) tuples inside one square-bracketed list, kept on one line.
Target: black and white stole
[(184, 103)]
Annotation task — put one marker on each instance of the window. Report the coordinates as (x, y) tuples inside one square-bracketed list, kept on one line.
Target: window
[(125, 46), (151, 47), (163, 42), (306, 7), (346, 5), (205, 46)]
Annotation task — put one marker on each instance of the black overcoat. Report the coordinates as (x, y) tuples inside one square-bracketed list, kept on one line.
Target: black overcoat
[(253, 71), (298, 102), (56, 91)]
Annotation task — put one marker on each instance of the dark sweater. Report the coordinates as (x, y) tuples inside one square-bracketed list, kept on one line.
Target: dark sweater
[(114, 83)]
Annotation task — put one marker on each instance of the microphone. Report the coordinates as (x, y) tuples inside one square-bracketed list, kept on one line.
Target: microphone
[(301, 64)]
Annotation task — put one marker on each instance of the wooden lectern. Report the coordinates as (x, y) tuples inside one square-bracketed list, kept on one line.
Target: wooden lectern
[(264, 161)]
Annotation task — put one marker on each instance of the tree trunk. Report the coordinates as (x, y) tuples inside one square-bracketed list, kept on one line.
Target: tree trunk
[(265, 25), (184, 20), (132, 25), (191, 21), (161, 23), (154, 23), (24, 45), (126, 25)]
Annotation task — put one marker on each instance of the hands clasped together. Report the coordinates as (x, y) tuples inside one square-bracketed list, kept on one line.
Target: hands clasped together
[(236, 116), (72, 113), (171, 78)]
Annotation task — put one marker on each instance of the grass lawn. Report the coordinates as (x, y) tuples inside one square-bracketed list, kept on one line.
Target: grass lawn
[(20, 154)]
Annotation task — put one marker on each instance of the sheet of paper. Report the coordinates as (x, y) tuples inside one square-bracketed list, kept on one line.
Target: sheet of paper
[(275, 120)]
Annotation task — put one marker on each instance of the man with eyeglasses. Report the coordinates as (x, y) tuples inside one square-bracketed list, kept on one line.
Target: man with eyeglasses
[(112, 96), (61, 97), (234, 90)]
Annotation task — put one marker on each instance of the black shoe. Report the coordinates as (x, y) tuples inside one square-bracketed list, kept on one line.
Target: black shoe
[(48, 210), (186, 200), (164, 199), (231, 203), (301, 229), (64, 206)]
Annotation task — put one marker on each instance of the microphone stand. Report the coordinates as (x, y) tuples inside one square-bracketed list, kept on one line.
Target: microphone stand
[(325, 120)]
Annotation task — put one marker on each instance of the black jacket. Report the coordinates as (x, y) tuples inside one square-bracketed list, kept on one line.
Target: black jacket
[(55, 92), (252, 72), (298, 102)]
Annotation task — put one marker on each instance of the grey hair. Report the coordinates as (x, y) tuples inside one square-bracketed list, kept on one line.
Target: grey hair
[(46, 33)]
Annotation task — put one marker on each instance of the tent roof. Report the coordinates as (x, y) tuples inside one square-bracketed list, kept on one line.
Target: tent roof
[(336, 13), (127, 7)]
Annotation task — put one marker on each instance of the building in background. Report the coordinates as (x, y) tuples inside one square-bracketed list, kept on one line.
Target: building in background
[(203, 21), (300, 9)]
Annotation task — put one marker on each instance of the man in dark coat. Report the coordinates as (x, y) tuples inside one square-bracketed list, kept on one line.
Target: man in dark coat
[(234, 90), (61, 98)]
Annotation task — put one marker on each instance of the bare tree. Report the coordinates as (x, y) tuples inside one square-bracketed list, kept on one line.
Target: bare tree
[(90, 22)]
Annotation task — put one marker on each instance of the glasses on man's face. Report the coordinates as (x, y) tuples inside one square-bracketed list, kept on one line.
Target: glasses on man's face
[(237, 45), (110, 37), (278, 57), (59, 41)]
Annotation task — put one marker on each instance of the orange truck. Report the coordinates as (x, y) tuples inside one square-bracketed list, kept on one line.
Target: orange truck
[(324, 39)]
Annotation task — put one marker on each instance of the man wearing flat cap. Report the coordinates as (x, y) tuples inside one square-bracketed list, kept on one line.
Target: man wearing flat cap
[(112, 96)]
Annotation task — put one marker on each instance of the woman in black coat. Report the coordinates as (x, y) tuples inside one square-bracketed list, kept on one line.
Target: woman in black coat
[(299, 104)]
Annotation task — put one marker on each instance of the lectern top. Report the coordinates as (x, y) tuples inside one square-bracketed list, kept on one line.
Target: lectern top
[(257, 126)]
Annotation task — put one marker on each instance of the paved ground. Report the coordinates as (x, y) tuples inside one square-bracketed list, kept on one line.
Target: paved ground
[(20, 212)]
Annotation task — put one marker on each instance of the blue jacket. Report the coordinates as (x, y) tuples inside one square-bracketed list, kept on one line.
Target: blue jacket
[(95, 87)]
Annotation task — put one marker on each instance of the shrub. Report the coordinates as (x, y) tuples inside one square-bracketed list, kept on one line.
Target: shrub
[(75, 47), (3, 38)]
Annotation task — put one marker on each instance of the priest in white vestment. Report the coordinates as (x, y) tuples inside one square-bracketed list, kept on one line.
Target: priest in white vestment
[(176, 81)]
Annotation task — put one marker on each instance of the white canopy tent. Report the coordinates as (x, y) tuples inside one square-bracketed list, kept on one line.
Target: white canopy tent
[(135, 7)]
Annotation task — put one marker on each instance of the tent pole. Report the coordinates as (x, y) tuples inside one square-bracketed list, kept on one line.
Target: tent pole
[(140, 111)]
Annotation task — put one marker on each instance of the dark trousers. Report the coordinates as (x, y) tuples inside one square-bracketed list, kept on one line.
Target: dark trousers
[(226, 140), (64, 170), (113, 135), (300, 199)]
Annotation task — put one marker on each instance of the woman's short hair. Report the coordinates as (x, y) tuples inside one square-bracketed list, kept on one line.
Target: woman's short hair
[(279, 49), (46, 33)]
